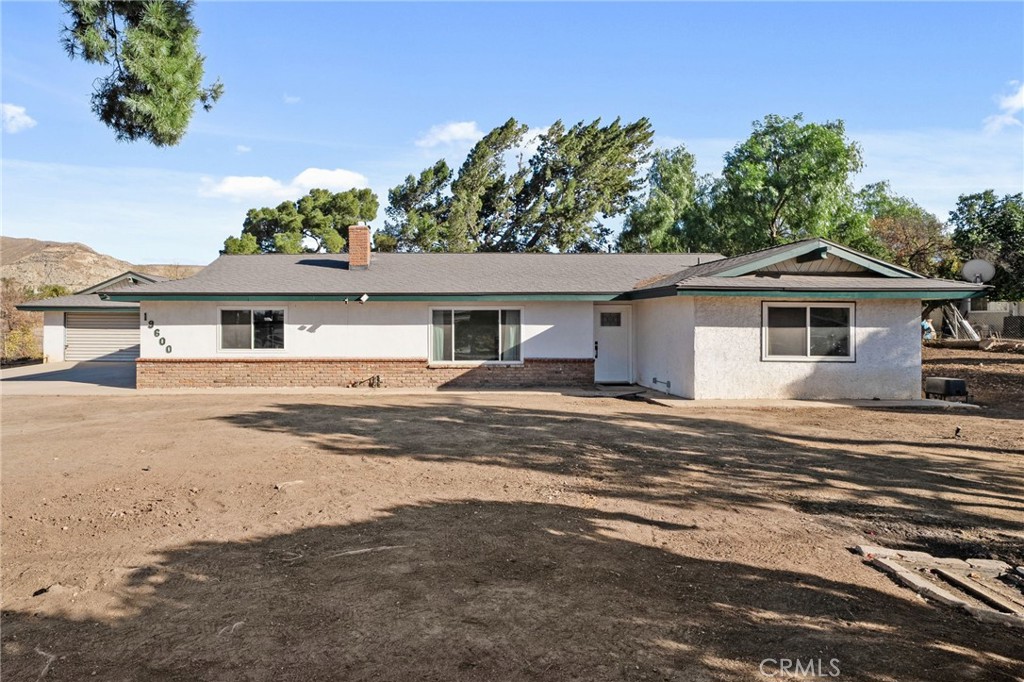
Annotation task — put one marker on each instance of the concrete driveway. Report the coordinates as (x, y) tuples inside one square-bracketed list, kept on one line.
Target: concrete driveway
[(69, 378)]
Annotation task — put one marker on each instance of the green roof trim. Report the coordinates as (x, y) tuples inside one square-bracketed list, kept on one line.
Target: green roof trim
[(77, 309), (354, 298), (783, 293)]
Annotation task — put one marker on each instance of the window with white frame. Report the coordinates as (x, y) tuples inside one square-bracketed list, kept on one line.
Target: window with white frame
[(808, 331), (475, 335), (252, 329)]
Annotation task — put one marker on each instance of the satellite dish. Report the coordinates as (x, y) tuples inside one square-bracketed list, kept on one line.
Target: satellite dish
[(978, 271)]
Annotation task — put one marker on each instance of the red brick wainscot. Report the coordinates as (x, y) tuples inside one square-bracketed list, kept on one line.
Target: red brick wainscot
[(315, 372)]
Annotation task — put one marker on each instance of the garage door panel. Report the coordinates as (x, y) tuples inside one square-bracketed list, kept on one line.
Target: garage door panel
[(110, 337)]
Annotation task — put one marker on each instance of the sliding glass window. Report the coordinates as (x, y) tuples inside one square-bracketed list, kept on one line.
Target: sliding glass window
[(476, 335), (251, 329), (811, 331)]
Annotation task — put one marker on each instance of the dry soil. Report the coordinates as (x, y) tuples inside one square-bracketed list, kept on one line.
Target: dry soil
[(498, 536)]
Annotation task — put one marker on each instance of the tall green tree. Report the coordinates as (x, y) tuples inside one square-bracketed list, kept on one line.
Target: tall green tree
[(789, 180), (559, 199), (417, 212), (911, 236), (992, 227), (317, 222), (579, 177), (673, 215), (156, 70), (484, 194)]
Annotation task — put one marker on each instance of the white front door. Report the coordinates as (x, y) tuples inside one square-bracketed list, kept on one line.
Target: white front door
[(611, 344)]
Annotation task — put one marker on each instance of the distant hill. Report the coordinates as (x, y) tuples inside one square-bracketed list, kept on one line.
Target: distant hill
[(35, 263)]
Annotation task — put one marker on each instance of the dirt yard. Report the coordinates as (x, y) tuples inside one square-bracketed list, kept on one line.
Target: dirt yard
[(498, 536)]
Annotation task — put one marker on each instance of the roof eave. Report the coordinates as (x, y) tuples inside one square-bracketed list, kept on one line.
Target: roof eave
[(803, 292), (74, 308), (355, 297)]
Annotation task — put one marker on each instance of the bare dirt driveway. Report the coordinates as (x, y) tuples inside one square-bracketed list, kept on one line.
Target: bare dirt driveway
[(495, 536)]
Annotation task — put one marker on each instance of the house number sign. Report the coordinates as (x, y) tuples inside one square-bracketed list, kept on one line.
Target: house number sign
[(160, 339)]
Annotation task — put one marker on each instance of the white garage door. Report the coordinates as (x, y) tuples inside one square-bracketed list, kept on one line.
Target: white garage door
[(112, 337)]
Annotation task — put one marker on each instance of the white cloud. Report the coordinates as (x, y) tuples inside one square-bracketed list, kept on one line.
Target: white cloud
[(16, 119), (1010, 107), (242, 149), (291, 99), (1014, 101), (531, 141), (451, 133), (265, 188)]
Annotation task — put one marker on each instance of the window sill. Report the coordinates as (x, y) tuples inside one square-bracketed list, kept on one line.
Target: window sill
[(468, 365), (800, 358)]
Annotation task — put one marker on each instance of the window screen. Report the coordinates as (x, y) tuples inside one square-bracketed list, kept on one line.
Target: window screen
[(235, 329), (787, 331)]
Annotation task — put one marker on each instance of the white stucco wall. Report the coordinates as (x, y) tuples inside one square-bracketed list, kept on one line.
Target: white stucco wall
[(663, 331), (53, 336), (354, 330), (727, 348)]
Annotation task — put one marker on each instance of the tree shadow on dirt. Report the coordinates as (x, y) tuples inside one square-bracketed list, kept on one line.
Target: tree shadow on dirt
[(474, 590), (669, 458)]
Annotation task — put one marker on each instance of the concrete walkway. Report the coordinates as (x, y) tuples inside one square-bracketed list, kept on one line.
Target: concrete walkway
[(69, 378)]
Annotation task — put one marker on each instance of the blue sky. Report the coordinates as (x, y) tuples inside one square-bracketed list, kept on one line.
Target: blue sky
[(345, 94)]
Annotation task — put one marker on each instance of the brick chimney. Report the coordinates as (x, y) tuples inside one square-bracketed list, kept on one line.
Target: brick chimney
[(358, 247)]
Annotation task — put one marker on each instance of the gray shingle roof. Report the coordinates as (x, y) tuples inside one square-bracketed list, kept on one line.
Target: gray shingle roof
[(427, 273), (76, 301)]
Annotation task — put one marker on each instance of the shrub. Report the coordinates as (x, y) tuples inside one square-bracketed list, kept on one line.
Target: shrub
[(21, 343)]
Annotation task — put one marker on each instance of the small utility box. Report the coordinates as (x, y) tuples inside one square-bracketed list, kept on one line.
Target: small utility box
[(945, 388)]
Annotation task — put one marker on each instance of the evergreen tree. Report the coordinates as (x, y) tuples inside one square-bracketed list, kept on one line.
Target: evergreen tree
[(156, 68), (557, 200), (317, 222)]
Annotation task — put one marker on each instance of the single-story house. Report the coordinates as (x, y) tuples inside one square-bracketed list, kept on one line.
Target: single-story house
[(811, 319), (86, 327)]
